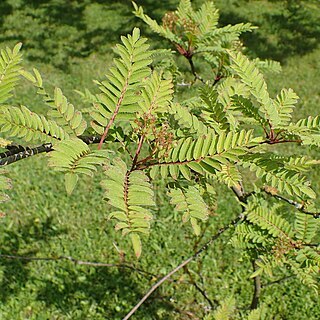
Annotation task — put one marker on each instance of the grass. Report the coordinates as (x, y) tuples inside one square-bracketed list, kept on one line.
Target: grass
[(43, 221)]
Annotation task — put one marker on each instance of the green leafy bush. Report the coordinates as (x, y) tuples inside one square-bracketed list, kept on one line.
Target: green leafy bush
[(226, 134)]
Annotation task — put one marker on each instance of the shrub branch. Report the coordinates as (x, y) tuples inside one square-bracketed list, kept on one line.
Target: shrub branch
[(78, 262), (183, 264)]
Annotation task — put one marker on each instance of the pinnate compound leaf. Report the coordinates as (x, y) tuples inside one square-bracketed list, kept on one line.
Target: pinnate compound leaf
[(23, 123), (74, 157), (9, 71), (191, 204), (120, 95), (131, 193)]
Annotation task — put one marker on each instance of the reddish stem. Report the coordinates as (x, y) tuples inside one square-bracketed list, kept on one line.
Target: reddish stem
[(134, 162), (115, 113)]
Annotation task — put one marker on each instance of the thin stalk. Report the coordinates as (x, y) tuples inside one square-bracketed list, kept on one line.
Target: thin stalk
[(257, 288), (77, 262), (181, 265)]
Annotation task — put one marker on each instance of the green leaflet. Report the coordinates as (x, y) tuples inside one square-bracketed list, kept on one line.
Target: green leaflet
[(251, 76), (68, 116), (247, 109), (274, 224), (305, 226), (71, 180), (187, 120), (191, 204), (210, 145), (226, 310), (185, 146), (131, 193), (249, 236), (210, 165), (9, 71), (156, 94), (185, 171), (136, 242), (22, 123), (230, 175), (63, 112), (74, 157), (274, 172), (153, 24), (285, 103), (308, 130), (196, 148), (195, 166), (121, 96)]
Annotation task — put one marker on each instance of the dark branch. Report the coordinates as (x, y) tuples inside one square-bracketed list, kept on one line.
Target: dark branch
[(217, 79), (239, 192), (12, 149), (297, 205), (257, 289), (78, 262), (181, 265), (278, 281), (23, 153), (202, 292), (18, 152), (193, 70), (90, 139)]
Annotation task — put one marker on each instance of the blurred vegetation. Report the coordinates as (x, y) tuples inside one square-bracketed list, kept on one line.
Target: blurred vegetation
[(57, 31), (286, 28), (71, 44)]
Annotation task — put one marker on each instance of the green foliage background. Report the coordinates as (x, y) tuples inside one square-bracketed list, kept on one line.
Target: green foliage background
[(70, 42)]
